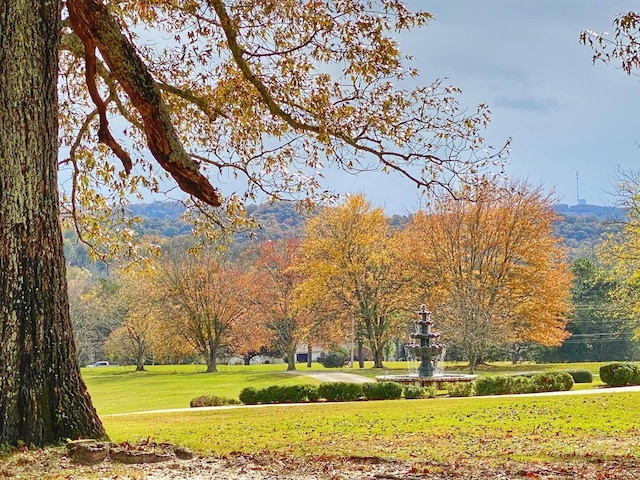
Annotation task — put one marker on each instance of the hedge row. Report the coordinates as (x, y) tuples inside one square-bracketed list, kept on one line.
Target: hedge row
[(619, 374), (212, 401), (579, 376), (333, 392), (540, 382)]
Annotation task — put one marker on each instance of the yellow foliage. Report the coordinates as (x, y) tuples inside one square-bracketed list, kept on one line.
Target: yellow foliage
[(350, 262)]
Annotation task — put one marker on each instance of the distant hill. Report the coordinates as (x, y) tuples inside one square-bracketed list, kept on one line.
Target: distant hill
[(581, 226), (598, 211)]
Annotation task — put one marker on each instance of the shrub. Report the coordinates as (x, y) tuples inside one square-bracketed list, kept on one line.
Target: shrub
[(431, 391), (502, 385), (339, 391), (414, 391), (333, 359), (520, 384), (581, 376), (249, 396), (382, 391), (618, 374), (312, 393), (552, 381), (212, 401), (297, 393), (493, 385), (417, 391), (460, 389), (279, 394)]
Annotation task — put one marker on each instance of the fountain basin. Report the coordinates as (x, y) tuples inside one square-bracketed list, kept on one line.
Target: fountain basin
[(425, 351), (434, 380)]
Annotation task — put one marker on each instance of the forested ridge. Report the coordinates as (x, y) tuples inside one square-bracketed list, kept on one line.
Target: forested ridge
[(581, 226)]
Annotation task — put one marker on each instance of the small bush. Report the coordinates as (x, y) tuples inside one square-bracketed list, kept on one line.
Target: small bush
[(581, 376), (298, 393), (520, 384), (460, 389), (212, 401), (333, 359), (552, 381), (618, 374), (340, 391), (431, 391), (249, 396), (279, 394), (382, 391), (413, 391), (503, 385)]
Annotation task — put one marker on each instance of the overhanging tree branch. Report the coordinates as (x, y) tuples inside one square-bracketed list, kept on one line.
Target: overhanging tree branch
[(96, 28)]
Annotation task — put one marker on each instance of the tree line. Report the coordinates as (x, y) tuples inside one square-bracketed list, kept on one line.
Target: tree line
[(491, 269)]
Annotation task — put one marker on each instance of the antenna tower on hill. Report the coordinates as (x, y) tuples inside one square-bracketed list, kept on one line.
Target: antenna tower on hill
[(581, 201)]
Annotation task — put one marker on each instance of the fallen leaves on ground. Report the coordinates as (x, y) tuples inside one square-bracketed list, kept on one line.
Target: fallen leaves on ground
[(53, 463)]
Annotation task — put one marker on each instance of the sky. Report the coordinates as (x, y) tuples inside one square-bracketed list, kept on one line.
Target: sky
[(523, 58)]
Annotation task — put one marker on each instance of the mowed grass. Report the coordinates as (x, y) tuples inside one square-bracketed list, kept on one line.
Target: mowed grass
[(441, 429), (598, 425), (122, 389), (119, 389)]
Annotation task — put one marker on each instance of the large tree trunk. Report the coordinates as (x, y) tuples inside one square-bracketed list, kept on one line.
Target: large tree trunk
[(42, 397)]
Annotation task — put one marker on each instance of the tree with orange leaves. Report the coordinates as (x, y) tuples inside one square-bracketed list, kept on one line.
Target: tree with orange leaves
[(288, 322), (491, 269), (204, 298)]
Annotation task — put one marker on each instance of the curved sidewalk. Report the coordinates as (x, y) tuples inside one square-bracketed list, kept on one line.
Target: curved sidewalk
[(351, 377)]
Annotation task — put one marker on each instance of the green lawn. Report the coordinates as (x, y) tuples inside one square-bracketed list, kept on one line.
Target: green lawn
[(121, 389), (441, 429), (492, 428)]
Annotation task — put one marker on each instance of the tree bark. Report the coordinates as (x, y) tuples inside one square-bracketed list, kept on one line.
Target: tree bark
[(212, 356), (43, 399), (291, 358)]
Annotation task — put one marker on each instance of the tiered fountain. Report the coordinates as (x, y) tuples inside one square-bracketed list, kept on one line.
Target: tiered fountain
[(427, 349)]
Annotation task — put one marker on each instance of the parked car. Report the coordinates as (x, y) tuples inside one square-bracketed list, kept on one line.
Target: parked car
[(102, 363)]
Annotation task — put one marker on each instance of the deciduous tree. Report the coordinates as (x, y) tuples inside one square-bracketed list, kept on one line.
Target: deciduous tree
[(140, 330), (244, 84), (97, 307), (349, 255), (288, 322), (202, 298), (623, 46), (492, 269), (620, 253), (600, 327)]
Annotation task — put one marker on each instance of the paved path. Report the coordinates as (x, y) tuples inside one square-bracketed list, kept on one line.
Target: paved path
[(333, 376), (351, 377)]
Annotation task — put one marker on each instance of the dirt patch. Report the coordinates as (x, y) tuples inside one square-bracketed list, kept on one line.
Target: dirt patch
[(50, 464)]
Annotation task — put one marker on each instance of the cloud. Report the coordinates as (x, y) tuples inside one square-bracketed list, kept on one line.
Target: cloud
[(528, 103)]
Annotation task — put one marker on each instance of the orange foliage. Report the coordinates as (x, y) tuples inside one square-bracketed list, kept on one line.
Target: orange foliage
[(492, 269)]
